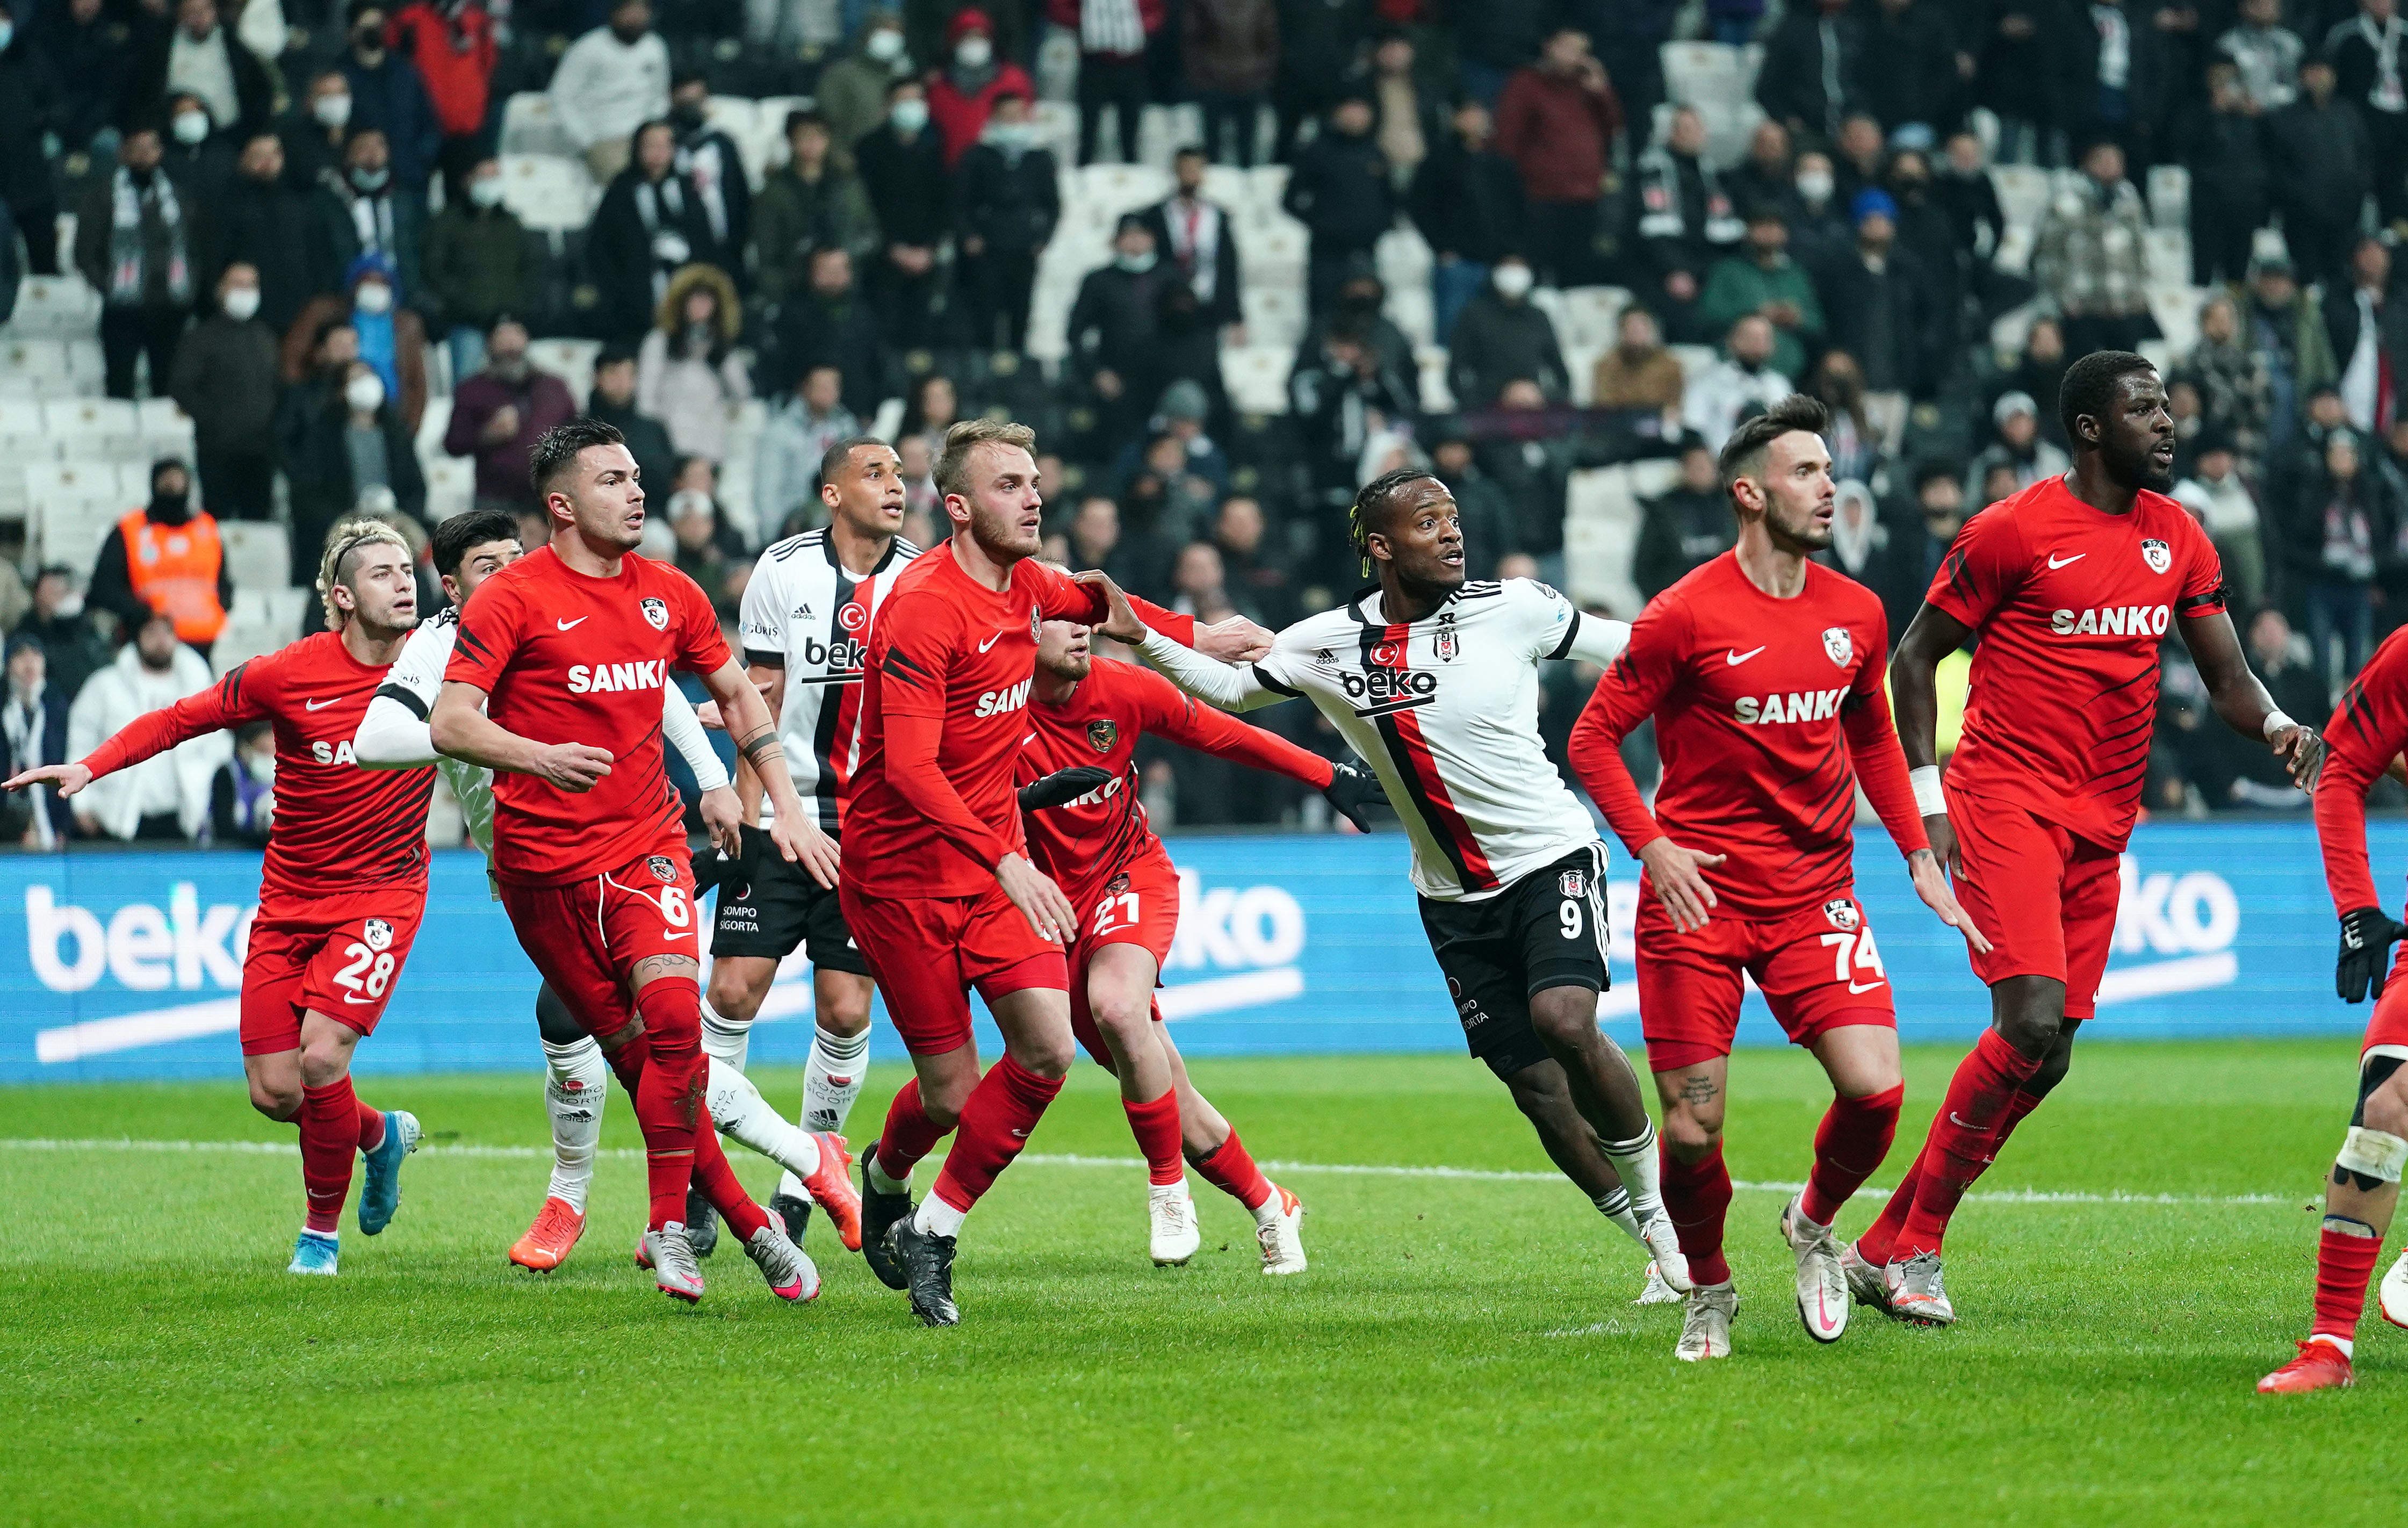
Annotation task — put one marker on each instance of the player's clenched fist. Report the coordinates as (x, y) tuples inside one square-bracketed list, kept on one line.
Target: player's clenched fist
[(572, 766), (1038, 899)]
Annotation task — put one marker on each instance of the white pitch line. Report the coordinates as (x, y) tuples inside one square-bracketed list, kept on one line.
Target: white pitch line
[(1056, 1159)]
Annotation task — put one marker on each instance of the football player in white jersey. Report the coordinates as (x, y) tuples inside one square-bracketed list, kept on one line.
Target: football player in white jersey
[(468, 549), (1433, 680), (806, 621)]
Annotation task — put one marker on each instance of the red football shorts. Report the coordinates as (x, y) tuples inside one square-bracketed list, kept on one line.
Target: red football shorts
[(587, 936), (2045, 898), (1136, 905), (1819, 970), (2387, 1026), (926, 953), (339, 955)]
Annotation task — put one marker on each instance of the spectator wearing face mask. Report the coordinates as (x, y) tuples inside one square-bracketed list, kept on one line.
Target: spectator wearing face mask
[(83, 50), (165, 798), (199, 55), (1006, 204), (314, 132), (853, 90), (355, 442), (1112, 331), (30, 105), (1740, 386), (242, 792), (451, 45), (197, 157), (962, 94), (903, 169), (366, 212), (611, 81), (710, 161), (392, 338), (1502, 334), (1816, 217), (688, 374), (134, 244), (167, 559), (500, 413), (1765, 281), (33, 724), (388, 94), (226, 377), (65, 628), (476, 268), (265, 224)]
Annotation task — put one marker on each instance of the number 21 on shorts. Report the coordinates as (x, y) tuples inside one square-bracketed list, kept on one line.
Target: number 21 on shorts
[(1852, 954)]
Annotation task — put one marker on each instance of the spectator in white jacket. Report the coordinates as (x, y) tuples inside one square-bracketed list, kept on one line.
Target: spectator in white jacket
[(1736, 388), (2223, 503), (801, 429), (611, 81), (165, 797)]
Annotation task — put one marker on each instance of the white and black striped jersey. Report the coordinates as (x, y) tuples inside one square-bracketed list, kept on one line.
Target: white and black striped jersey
[(805, 614), (1445, 709)]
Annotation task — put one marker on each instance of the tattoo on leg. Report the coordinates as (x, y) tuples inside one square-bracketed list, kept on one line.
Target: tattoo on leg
[(1696, 1092), (665, 966), (618, 1039)]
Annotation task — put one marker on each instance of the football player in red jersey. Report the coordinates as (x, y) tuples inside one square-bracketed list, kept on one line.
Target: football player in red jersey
[(1085, 718), (1763, 672), (2366, 734), (554, 684), (344, 885), (938, 887), (2071, 586)]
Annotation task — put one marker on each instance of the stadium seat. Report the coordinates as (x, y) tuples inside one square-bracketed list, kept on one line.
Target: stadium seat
[(108, 428), (1580, 370), (1403, 258), (70, 509), (1057, 129), (1587, 316), (530, 126), (1693, 357), (24, 438), (548, 193), (167, 429), (55, 307), (2023, 193), (41, 365), (2169, 195), (570, 360), (1275, 315), (1163, 131), (1114, 188), (258, 553), (1256, 377), (1413, 309), (451, 486), (1429, 364), (1601, 534), (1704, 73), (741, 119), (1272, 252)]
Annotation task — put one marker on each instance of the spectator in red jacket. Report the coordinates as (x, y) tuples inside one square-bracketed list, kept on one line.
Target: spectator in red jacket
[(1557, 121), (450, 44), (962, 94)]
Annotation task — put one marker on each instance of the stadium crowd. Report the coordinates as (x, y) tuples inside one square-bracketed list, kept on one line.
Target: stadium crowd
[(296, 219)]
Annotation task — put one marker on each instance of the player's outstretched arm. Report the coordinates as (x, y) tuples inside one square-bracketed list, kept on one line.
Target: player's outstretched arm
[(1348, 787), (461, 730), (222, 704), (1914, 697), (2242, 700), (794, 830)]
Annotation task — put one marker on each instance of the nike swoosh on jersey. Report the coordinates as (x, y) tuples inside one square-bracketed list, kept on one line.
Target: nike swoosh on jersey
[(579, 621), (990, 641), (2055, 563), (319, 704), (1734, 658)]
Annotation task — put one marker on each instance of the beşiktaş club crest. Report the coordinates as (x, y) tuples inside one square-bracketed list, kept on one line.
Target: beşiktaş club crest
[(657, 612), (378, 933), (663, 871), (1842, 914), (1573, 882), (1103, 735), (2156, 554), (1839, 645), (1448, 644)]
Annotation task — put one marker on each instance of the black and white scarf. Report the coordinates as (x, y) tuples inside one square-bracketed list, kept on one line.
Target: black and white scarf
[(128, 260)]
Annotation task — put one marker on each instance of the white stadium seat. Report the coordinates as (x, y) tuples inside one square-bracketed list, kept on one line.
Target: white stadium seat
[(1589, 314), (451, 486), (258, 553), (1274, 315), (548, 194), (530, 126), (2023, 193), (107, 428), (1256, 377), (570, 360), (55, 308)]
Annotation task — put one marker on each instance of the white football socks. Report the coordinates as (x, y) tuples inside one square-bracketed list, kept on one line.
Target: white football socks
[(573, 1095), (1634, 1162), (1615, 1206), (724, 1039), (742, 1115), (832, 1078), (935, 1218), (877, 1175)]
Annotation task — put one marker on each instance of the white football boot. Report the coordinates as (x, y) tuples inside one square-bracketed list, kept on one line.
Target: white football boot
[(1705, 1329), (1172, 1235), (671, 1259), (1916, 1293), (2394, 1300), (1822, 1282), (1655, 1292), (1279, 1230), (1663, 1241)]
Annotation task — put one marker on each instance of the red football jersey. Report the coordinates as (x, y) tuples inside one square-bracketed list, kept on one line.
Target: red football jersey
[(338, 827), (2072, 605), (2369, 729), (1760, 705), (1114, 706), (566, 658), (948, 652)]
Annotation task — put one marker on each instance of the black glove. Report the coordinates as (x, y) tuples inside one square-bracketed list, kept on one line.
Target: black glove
[(1349, 791), (1061, 787), (2367, 935)]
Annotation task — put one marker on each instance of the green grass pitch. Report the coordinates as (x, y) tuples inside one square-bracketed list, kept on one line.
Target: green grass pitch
[(1462, 1347)]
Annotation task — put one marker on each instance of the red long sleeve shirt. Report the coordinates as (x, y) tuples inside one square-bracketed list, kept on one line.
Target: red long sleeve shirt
[(2369, 729)]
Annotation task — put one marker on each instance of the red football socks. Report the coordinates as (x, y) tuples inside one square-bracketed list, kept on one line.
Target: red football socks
[(1230, 1168), (371, 1125), (1854, 1137), (1697, 1196), (2344, 1261), (1003, 1108), (668, 1091), (909, 1135), (1874, 1245), (1964, 1137), (330, 1137), (717, 1182), (1156, 1125)]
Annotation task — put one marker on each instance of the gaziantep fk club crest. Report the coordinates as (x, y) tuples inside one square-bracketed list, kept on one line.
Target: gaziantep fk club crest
[(1842, 914), (657, 612), (378, 933), (2156, 554), (663, 871), (1839, 644), (1103, 735)]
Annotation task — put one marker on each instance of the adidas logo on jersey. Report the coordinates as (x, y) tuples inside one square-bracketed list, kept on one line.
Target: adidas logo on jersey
[(605, 678), (2111, 621), (1797, 705), (1002, 701)]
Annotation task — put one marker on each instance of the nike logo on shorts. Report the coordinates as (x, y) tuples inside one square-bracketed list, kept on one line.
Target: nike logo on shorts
[(2056, 561), (990, 641), (319, 704), (1865, 986), (564, 625), (1736, 658), (687, 935)]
